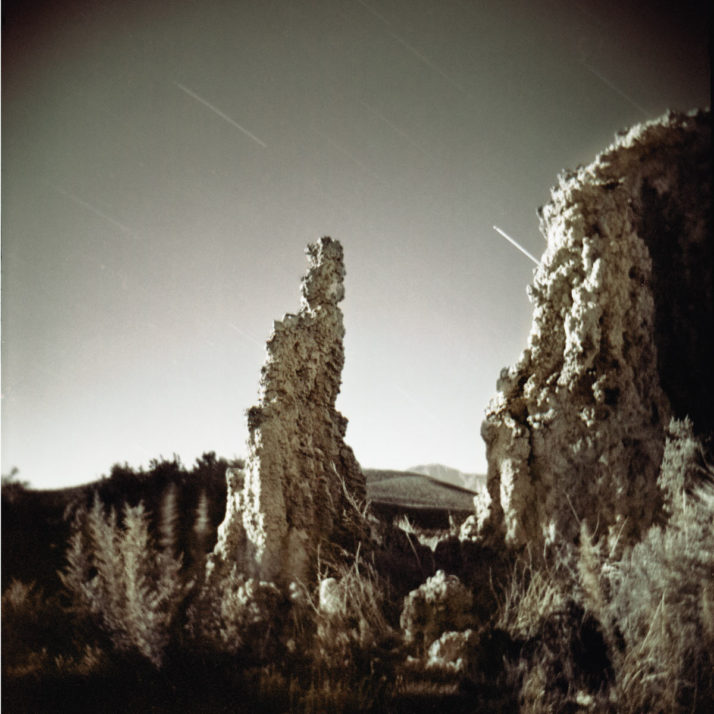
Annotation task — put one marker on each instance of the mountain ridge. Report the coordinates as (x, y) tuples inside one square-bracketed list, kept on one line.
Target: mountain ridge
[(449, 475)]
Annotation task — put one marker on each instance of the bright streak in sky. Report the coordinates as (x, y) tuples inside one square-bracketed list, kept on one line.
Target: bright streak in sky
[(94, 210), (248, 337), (422, 58), (429, 63), (217, 111), (615, 89), (516, 244), (374, 12), (352, 158), (395, 128)]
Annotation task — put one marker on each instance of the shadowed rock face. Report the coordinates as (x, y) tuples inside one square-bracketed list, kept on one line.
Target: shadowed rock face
[(302, 481), (621, 340)]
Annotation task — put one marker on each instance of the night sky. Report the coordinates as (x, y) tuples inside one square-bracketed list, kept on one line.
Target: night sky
[(164, 165)]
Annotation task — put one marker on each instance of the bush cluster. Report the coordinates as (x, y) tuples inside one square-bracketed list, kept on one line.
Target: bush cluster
[(632, 632)]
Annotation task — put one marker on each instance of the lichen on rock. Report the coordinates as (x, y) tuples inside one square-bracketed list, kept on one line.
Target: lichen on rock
[(302, 486), (621, 339)]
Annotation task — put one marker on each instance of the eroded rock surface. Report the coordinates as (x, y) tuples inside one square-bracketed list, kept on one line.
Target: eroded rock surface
[(621, 340), (450, 653), (302, 487), (441, 604)]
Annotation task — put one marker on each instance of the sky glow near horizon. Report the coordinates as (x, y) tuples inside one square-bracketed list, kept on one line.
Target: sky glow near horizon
[(165, 164)]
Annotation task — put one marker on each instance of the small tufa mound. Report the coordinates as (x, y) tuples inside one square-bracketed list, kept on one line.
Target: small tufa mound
[(240, 616), (623, 318), (441, 604), (451, 653), (303, 488)]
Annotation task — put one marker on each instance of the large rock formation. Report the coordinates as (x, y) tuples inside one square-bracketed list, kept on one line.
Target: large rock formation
[(303, 486), (622, 339)]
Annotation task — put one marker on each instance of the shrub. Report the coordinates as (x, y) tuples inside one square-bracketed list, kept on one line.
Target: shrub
[(353, 645), (39, 638), (558, 656), (13, 487), (579, 629), (654, 603), (633, 632), (662, 595), (533, 594), (350, 615), (118, 577), (24, 643)]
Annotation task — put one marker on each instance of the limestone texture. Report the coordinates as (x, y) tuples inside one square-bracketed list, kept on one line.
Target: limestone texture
[(239, 615), (441, 604), (450, 653), (621, 341), (302, 487)]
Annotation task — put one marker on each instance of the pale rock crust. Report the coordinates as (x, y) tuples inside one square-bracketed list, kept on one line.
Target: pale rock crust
[(441, 604), (621, 339), (329, 599), (450, 654), (303, 486)]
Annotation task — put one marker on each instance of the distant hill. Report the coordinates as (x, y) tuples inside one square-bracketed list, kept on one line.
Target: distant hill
[(427, 501), (453, 476)]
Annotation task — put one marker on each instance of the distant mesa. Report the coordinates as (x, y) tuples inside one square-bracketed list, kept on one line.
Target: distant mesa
[(426, 501)]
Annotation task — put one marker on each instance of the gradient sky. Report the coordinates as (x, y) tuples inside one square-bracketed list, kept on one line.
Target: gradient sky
[(164, 165)]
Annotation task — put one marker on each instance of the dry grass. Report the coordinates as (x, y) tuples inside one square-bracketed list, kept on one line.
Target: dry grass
[(661, 602), (647, 615)]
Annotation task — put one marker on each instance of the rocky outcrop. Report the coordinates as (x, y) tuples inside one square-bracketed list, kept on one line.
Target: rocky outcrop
[(621, 339), (302, 486)]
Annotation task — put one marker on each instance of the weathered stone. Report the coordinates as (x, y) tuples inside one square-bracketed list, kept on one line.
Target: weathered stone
[(329, 597), (235, 613), (441, 604), (622, 338), (303, 486), (450, 653)]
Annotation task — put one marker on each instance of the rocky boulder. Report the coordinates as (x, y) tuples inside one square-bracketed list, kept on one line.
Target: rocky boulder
[(441, 604), (621, 340)]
